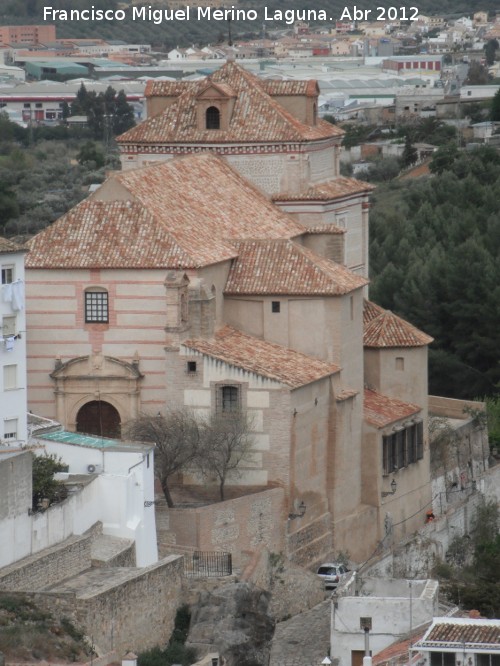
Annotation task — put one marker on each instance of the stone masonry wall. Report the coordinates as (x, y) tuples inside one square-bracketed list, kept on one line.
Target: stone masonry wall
[(312, 543), (241, 524), (137, 614), (52, 565)]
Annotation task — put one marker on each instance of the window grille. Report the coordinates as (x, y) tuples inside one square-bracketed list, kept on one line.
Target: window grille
[(228, 399), (96, 306)]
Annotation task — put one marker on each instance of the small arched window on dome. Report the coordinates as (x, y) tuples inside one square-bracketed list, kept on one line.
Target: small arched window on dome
[(212, 118), (315, 114)]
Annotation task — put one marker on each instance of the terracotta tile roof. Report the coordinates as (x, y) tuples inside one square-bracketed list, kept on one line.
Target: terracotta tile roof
[(382, 328), (263, 358), (118, 234), (380, 410), (333, 189), (370, 311), (256, 116), (346, 394), (169, 222), (453, 632), (9, 246), (166, 88), (398, 652), (285, 267), (324, 229), (302, 88)]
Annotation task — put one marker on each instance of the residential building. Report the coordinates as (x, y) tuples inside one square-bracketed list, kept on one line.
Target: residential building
[(26, 34), (44, 101), (108, 481), (225, 268), (13, 394), (383, 609), (427, 64)]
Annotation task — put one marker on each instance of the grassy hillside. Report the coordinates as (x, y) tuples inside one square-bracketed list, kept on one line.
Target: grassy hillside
[(27, 633)]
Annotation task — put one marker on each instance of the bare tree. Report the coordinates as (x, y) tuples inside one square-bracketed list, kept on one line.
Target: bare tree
[(177, 437), (225, 444)]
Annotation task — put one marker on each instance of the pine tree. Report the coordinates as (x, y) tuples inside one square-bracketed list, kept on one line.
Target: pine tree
[(410, 153), (495, 107)]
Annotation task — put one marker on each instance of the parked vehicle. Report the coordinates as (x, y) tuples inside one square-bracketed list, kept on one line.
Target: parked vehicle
[(332, 573)]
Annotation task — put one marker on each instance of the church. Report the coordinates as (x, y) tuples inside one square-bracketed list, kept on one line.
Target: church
[(226, 267)]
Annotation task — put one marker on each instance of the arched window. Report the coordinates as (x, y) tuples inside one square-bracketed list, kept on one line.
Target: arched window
[(315, 114), (96, 305), (212, 118)]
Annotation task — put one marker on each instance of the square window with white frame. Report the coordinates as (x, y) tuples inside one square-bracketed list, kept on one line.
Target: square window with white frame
[(7, 273), (8, 326), (9, 377), (10, 429)]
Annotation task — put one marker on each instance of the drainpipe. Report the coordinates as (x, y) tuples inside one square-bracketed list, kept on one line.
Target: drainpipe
[(367, 660)]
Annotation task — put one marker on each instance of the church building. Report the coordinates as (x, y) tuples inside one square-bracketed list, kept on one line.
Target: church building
[(225, 268)]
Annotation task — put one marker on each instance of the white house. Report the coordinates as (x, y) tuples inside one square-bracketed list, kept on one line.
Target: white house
[(12, 344), (387, 608), (108, 481), (123, 499)]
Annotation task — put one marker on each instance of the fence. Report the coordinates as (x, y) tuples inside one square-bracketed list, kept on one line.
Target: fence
[(201, 564)]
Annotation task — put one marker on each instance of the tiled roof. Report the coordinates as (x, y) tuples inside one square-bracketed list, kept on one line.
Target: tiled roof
[(380, 410), (263, 358), (453, 632), (183, 213), (166, 88), (302, 88), (398, 652), (370, 311), (346, 394), (382, 328), (325, 229), (117, 234), (333, 189), (256, 116), (9, 246), (285, 267)]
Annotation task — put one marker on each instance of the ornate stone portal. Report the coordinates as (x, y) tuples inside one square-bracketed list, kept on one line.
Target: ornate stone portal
[(96, 378)]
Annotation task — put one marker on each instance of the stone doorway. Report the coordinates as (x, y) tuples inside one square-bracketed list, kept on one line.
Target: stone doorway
[(99, 418)]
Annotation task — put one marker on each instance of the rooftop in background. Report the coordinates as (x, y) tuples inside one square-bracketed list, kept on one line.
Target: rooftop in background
[(92, 441), (460, 633), (81, 439)]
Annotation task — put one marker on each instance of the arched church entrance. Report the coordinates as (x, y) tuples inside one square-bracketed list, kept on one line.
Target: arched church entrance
[(100, 418)]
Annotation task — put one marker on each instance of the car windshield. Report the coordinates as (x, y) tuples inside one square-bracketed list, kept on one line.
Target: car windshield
[(327, 571)]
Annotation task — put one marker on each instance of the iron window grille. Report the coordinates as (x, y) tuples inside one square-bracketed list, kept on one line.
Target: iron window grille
[(96, 307)]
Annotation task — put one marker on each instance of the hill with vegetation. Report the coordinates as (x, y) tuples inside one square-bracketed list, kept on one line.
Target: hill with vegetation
[(170, 34), (435, 260)]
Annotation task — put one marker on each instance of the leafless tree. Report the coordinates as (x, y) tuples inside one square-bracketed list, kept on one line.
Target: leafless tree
[(177, 436), (225, 444)]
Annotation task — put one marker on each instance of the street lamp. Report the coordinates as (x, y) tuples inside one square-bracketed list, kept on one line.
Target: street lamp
[(393, 489)]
